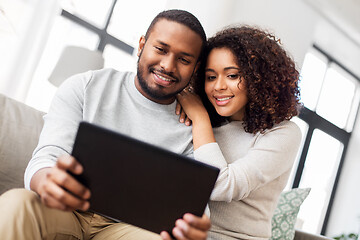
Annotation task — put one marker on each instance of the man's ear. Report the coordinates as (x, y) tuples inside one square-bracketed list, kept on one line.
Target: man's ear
[(141, 45)]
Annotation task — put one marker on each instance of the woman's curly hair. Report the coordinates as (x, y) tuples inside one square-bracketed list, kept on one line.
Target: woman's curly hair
[(270, 74)]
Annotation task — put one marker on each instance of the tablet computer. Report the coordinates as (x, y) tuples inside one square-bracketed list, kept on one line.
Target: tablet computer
[(138, 183)]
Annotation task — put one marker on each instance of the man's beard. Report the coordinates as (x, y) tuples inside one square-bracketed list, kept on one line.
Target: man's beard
[(153, 93)]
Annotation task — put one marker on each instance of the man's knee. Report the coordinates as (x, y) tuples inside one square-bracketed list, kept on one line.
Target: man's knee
[(19, 198)]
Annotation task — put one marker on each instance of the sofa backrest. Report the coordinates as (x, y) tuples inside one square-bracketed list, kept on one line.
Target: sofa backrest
[(20, 127)]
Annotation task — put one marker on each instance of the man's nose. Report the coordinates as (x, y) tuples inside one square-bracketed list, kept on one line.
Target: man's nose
[(168, 63)]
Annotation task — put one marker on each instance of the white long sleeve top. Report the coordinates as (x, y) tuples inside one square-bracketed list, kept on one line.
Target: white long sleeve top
[(254, 169)]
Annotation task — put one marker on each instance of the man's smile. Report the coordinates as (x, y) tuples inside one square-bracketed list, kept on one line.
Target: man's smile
[(163, 79)]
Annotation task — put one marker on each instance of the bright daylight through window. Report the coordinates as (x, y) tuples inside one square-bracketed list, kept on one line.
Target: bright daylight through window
[(330, 95)]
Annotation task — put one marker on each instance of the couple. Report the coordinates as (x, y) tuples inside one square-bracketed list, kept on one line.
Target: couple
[(247, 90)]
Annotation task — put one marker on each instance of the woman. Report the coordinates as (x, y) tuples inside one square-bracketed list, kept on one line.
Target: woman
[(251, 93)]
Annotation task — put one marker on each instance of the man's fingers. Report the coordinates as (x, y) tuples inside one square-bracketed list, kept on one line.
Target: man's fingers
[(66, 200), (202, 223), (69, 163), (165, 236), (66, 181), (51, 202)]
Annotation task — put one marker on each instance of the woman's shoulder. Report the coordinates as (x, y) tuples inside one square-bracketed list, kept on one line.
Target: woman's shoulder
[(236, 127), (286, 128), (287, 124), (239, 125)]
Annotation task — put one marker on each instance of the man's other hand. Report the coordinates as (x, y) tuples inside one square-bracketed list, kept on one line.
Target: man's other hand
[(190, 227), (58, 189)]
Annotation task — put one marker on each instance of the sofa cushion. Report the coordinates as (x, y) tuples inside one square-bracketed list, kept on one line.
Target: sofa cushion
[(20, 127), (283, 221)]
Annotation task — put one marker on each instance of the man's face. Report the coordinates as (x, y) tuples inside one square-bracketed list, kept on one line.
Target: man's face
[(167, 60)]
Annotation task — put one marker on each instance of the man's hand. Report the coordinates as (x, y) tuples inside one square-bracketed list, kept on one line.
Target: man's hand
[(58, 189), (189, 228)]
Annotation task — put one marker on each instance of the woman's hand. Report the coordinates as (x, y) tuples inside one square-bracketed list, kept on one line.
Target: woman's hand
[(194, 109), (189, 107), (183, 117)]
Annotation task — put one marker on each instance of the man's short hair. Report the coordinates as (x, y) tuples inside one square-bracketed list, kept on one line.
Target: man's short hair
[(182, 17)]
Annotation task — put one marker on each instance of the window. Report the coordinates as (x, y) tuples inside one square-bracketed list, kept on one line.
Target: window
[(330, 94), (64, 32), (110, 26)]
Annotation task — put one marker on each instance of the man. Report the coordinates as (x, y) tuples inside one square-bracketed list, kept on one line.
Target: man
[(141, 105)]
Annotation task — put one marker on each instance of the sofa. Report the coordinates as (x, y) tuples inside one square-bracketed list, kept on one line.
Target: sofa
[(20, 127)]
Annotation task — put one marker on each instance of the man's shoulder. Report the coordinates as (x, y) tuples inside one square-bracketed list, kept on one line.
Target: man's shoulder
[(110, 73), (109, 77)]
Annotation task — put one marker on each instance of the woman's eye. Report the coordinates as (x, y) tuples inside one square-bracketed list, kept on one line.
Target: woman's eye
[(233, 76), (210, 78)]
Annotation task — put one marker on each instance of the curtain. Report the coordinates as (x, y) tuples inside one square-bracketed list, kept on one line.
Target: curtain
[(24, 29)]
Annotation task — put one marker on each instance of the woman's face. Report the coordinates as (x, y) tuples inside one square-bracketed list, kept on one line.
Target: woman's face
[(223, 86)]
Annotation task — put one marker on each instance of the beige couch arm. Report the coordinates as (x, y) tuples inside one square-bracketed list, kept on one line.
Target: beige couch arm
[(300, 235), (20, 127)]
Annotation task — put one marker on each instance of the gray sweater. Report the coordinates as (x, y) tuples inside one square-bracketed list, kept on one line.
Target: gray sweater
[(254, 169), (110, 99)]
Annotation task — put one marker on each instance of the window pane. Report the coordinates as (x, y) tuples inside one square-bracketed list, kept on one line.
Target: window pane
[(64, 32), (354, 109), (94, 11), (118, 59), (126, 25), (312, 75), (336, 97), (319, 173), (304, 128)]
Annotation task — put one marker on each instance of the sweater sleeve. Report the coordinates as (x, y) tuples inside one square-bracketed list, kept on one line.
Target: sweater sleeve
[(60, 125), (272, 154)]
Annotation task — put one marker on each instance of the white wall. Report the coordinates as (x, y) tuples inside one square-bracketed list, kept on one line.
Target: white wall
[(283, 18), (213, 15), (338, 45), (345, 215)]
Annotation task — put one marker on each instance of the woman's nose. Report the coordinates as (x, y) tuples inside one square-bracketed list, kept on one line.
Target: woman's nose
[(220, 84)]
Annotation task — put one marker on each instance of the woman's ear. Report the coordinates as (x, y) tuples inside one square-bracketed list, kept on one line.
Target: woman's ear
[(141, 45)]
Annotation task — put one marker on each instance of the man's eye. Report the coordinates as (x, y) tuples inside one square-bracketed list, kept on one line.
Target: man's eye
[(159, 49), (184, 60)]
